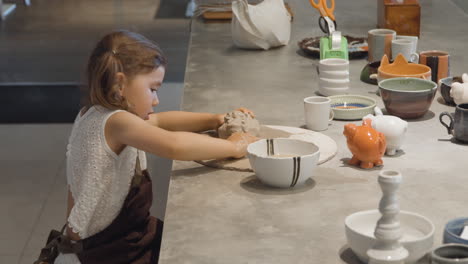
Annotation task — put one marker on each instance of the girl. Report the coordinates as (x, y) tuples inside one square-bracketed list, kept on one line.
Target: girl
[(109, 189)]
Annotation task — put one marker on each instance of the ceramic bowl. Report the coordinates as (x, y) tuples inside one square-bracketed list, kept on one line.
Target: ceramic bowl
[(450, 254), (407, 98), (369, 72), (326, 91), (283, 162), (351, 107), (401, 68), (445, 85), (334, 83), (333, 65), (453, 229), (418, 233), (334, 75)]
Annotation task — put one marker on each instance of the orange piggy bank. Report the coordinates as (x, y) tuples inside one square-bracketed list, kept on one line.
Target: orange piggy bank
[(367, 144)]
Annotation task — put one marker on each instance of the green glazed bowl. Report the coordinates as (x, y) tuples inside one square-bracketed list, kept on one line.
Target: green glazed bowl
[(407, 97), (351, 107)]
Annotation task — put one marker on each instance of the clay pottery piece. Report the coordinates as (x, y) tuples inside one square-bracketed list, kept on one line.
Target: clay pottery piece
[(418, 234), (450, 254), (459, 91), (401, 68), (445, 85), (380, 43), (394, 129), (369, 72), (407, 98), (283, 162), (453, 230), (366, 144), (438, 61), (351, 107), (458, 126)]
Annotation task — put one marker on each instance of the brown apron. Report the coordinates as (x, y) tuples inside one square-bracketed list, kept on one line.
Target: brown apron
[(134, 237)]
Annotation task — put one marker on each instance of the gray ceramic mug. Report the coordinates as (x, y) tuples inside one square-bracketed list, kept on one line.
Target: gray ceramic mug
[(458, 126), (450, 254)]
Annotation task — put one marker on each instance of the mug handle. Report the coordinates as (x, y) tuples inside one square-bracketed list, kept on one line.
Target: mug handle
[(414, 58), (450, 126), (332, 115)]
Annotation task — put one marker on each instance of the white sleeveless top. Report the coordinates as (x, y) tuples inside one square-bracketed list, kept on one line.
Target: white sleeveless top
[(99, 179)]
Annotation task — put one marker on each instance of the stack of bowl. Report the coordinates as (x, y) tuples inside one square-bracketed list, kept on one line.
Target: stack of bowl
[(333, 77)]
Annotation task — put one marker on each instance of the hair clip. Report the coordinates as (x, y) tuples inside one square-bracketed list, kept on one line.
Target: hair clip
[(114, 52)]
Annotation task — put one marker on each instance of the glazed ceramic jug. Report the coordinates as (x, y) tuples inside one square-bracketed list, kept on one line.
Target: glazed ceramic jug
[(394, 129)]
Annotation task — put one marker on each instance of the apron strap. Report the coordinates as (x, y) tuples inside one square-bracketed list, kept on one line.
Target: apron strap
[(138, 172)]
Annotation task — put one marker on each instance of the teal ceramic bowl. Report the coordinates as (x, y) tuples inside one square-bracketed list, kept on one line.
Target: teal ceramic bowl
[(407, 97)]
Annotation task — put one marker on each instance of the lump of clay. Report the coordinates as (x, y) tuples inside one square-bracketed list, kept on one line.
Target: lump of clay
[(238, 121)]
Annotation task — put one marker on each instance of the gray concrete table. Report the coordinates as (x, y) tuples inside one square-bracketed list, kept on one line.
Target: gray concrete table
[(217, 216)]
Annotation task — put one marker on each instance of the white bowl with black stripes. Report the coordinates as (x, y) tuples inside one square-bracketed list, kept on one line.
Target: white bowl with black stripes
[(283, 162)]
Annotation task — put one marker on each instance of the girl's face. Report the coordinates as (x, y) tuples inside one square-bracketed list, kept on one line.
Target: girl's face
[(141, 92)]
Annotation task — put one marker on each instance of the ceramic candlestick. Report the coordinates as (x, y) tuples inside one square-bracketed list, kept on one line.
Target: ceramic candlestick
[(387, 248)]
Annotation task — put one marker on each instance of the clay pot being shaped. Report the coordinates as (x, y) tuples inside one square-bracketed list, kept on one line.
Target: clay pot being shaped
[(366, 144), (394, 129), (401, 68), (459, 91)]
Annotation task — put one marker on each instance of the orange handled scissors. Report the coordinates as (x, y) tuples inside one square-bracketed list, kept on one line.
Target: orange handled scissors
[(326, 13)]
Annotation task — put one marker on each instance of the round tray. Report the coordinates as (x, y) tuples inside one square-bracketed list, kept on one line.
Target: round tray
[(351, 107), (357, 47)]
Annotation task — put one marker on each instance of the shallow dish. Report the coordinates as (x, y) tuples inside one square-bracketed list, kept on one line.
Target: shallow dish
[(283, 162), (418, 233), (453, 230), (407, 97), (351, 107)]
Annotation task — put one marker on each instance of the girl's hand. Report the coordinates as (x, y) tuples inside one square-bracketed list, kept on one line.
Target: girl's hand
[(220, 117), (241, 141), (246, 111)]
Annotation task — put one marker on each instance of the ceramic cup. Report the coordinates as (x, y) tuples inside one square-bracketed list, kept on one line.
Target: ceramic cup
[(413, 39), (380, 43), (333, 65), (438, 61), (458, 126), (450, 254), (406, 48), (317, 112)]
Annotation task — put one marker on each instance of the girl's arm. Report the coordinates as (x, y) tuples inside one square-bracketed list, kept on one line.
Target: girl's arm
[(189, 121), (186, 121), (127, 129)]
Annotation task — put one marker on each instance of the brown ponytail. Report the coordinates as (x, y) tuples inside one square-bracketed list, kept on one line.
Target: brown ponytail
[(120, 51)]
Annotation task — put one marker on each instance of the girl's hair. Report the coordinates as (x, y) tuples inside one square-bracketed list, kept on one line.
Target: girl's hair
[(120, 51)]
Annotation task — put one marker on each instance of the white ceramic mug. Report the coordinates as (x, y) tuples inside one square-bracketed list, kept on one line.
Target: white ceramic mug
[(318, 112), (406, 48), (413, 39)]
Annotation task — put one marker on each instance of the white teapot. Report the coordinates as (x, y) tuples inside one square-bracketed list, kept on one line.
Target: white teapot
[(394, 129), (459, 91)]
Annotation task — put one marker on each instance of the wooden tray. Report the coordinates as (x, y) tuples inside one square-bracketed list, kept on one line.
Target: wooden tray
[(227, 15)]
